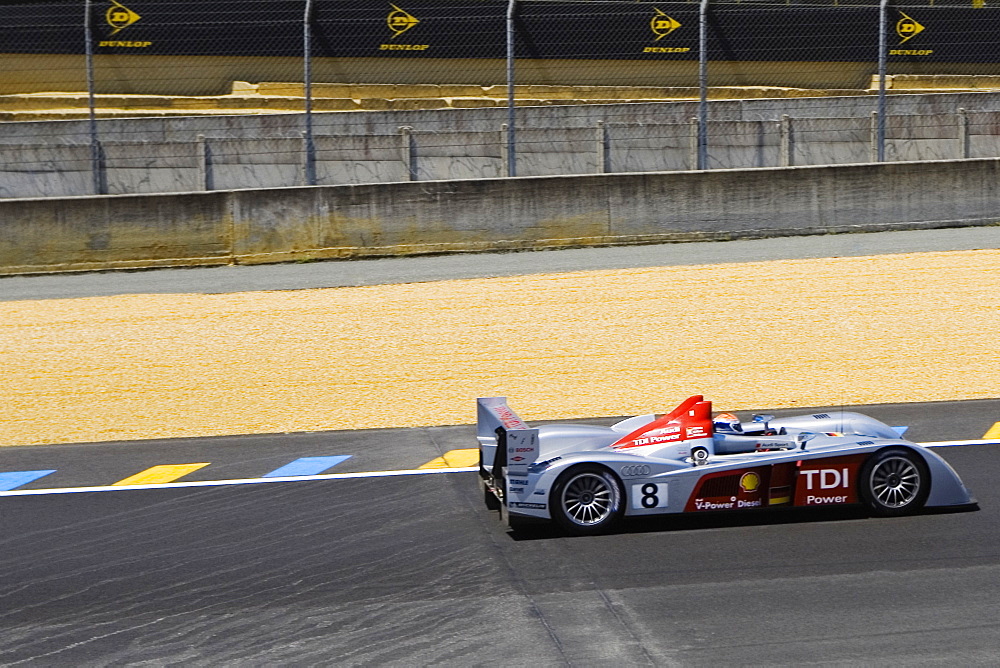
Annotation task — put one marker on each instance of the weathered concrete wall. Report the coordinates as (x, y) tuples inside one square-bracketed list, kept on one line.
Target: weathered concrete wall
[(469, 215), (107, 232), (407, 155), (831, 141), (45, 171)]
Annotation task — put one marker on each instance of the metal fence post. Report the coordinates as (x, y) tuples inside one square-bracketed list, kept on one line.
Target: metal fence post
[(96, 154), (883, 55), (310, 145), (511, 132), (703, 85)]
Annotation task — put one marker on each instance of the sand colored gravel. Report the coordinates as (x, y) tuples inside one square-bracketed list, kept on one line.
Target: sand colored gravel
[(894, 328)]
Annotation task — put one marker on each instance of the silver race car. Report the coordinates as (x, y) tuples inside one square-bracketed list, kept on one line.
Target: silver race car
[(587, 478)]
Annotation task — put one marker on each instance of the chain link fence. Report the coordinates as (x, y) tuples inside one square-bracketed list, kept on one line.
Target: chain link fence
[(129, 96)]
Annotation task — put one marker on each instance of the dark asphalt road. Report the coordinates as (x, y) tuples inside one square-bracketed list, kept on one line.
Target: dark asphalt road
[(415, 571)]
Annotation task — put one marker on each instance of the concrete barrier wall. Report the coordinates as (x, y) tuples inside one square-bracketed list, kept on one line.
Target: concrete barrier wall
[(147, 167), (266, 225), (45, 171), (408, 155), (114, 231), (984, 134), (831, 141), (637, 147)]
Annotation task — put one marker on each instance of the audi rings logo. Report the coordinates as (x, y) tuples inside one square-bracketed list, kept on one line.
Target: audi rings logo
[(635, 470)]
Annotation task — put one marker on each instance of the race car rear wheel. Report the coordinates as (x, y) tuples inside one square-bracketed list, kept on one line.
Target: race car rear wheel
[(894, 482), (587, 500)]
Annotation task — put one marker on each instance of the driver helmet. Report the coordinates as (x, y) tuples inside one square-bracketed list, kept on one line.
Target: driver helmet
[(727, 423)]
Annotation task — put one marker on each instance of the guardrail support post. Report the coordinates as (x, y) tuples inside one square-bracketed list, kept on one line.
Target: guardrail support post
[(964, 149), (408, 152), (785, 157), (603, 162), (205, 177), (506, 156), (876, 138), (695, 136), (99, 167)]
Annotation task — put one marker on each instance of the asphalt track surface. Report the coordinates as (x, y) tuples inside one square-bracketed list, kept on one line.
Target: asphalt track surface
[(414, 570)]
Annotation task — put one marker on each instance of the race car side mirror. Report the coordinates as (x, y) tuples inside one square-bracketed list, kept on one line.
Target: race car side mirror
[(804, 437)]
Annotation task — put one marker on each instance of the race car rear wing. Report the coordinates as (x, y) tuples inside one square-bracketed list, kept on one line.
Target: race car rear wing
[(505, 440)]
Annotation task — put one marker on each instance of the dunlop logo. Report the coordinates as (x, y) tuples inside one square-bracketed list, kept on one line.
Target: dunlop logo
[(400, 21), (662, 25), (907, 28), (119, 16)]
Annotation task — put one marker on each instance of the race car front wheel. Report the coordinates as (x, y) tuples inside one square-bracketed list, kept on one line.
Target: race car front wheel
[(587, 500), (894, 482)]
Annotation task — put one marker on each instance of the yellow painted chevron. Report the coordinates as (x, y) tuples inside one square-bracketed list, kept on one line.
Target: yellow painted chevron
[(162, 473), (993, 432), (454, 459)]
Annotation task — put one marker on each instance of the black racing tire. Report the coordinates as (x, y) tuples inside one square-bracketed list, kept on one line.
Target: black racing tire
[(587, 500), (489, 498), (894, 482)]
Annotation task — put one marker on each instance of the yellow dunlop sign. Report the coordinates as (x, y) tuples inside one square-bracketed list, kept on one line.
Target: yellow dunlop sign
[(662, 25), (399, 21), (907, 28), (119, 16)]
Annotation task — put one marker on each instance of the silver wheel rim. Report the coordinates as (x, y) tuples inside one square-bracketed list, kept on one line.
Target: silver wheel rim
[(588, 499), (895, 482)]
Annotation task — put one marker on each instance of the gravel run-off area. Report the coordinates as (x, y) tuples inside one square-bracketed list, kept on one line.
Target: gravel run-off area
[(842, 331)]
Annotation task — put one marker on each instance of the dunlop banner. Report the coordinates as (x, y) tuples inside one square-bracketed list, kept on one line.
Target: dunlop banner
[(423, 28), (477, 29), (37, 27)]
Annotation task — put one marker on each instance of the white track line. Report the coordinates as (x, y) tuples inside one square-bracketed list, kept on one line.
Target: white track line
[(239, 481), (330, 476), (948, 444)]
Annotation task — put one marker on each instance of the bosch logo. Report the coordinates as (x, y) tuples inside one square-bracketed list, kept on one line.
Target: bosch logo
[(635, 470)]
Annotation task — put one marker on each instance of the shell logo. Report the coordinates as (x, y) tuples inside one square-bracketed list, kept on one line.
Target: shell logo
[(750, 482)]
